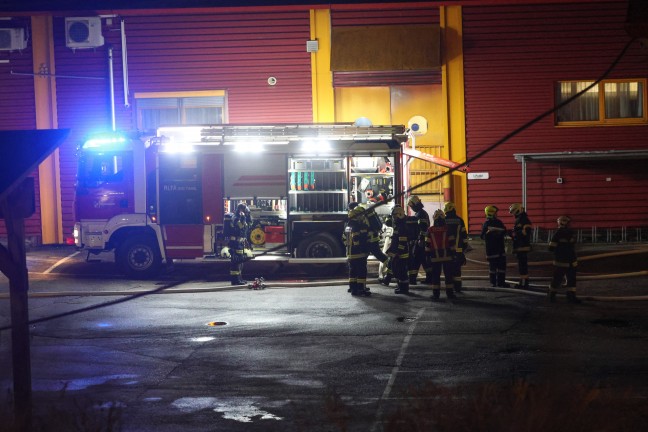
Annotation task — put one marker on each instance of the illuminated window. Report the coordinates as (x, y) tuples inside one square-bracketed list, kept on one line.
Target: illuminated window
[(610, 102), (180, 108)]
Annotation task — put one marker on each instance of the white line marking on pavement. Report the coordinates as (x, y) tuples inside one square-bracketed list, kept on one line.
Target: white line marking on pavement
[(395, 369), (61, 261)]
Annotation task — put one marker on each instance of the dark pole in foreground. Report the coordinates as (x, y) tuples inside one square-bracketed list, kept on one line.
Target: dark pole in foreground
[(13, 264)]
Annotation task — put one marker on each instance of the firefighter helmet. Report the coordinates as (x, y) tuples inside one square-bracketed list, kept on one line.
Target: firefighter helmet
[(438, 214), (491, 211), (563, 221), (449, 206), (413, 201), (398, 212), (355, 212), (242, 208), (516, 208)]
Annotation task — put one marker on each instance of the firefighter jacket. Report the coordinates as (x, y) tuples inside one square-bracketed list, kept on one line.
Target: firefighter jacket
[(399, 245), (418, 225), (493, 233), (239, 230), (563, 245), (355, 238), (522, 233), (438, 246), (457, 233)]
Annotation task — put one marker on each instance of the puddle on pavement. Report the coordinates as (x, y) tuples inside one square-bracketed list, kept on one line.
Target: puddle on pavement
[(238, 409)]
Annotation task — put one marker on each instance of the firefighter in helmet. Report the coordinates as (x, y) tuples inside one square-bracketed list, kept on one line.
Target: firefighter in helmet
[(417, 227), (521, 241), (240, 226), (563, 245), (355, 239), (439, 254), (493, 233), (399, 249), (458, 237)]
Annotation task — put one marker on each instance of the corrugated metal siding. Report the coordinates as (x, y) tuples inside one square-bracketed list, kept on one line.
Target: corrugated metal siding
[(17, 111), (234, 52), (175, 53), (513, 55)]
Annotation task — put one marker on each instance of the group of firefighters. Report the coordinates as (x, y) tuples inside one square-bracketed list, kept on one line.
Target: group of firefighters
[(439, 245)]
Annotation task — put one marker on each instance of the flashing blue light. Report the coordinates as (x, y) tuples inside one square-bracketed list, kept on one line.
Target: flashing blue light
[(104, 325), (105, 141)]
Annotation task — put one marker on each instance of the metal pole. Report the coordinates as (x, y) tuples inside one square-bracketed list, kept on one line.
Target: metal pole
[(124, 64), (524, 183), (112, 87)]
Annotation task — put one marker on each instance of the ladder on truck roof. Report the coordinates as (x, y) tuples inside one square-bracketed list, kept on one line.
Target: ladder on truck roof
[(281, 134)]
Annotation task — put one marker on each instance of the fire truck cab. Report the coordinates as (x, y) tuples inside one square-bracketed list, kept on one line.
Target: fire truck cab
[(155, 200)]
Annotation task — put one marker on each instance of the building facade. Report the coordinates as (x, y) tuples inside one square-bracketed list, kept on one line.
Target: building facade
[(481, 74)]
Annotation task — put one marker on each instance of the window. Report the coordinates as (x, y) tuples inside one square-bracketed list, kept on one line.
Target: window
[(609, 102), (189, 108)]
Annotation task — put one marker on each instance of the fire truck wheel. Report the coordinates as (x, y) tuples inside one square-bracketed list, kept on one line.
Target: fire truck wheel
[(139, 257), (320, 246)]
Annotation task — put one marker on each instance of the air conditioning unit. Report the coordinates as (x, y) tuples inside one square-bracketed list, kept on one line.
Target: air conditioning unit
[(12, 39), (83, 32)]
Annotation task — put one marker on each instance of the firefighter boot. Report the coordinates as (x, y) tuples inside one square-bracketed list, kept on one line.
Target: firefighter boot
[(492, 277), (571, 298), (450, 293), (236, 280), (386, 280), (457, 287), (501, 281), (360, 291), (403, 288), (436, 293), (412, 279), (551, 296)]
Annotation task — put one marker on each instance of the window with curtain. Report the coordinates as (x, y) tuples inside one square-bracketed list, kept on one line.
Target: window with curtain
[(157, 109), (608, 102)]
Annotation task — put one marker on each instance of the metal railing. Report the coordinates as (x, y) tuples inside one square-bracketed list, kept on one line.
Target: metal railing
[(595, 234)]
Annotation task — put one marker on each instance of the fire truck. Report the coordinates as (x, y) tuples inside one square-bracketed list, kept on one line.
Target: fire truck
[(161, 199)]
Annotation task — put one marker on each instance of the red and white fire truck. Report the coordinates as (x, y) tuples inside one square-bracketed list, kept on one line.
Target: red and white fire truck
[(164, 198)]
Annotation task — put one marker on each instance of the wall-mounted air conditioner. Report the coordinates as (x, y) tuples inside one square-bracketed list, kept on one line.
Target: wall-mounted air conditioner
[(83, 32), (12, 39)]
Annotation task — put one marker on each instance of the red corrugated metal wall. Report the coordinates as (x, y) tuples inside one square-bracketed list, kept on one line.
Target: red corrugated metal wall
[(234, 52), (177, 53), (513, 55), (17, 108)]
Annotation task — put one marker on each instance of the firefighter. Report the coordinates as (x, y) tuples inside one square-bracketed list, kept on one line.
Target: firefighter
[(418, 226), (240, 226), (493, 233), (458, 237), (563, 245), (521, 242), (439, 254), (399, 249), (355, 240), (385, 272), (374, 229)]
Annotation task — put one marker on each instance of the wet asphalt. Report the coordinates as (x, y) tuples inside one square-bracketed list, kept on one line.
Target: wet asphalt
[(302, 354)]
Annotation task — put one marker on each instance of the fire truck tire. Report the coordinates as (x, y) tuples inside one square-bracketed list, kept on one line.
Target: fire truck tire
[(139, 257), (321, 245)]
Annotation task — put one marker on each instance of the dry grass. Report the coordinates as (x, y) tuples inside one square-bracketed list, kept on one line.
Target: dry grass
[(65, 414), (520, 407)]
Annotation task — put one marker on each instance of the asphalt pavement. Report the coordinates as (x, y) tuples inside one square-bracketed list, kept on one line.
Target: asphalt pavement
[(304, 355)]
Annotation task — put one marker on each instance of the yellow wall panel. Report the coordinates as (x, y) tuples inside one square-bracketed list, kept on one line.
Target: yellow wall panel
[(352, 103)]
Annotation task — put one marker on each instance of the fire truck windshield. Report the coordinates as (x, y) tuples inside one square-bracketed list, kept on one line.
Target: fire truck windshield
[(97, 169)]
